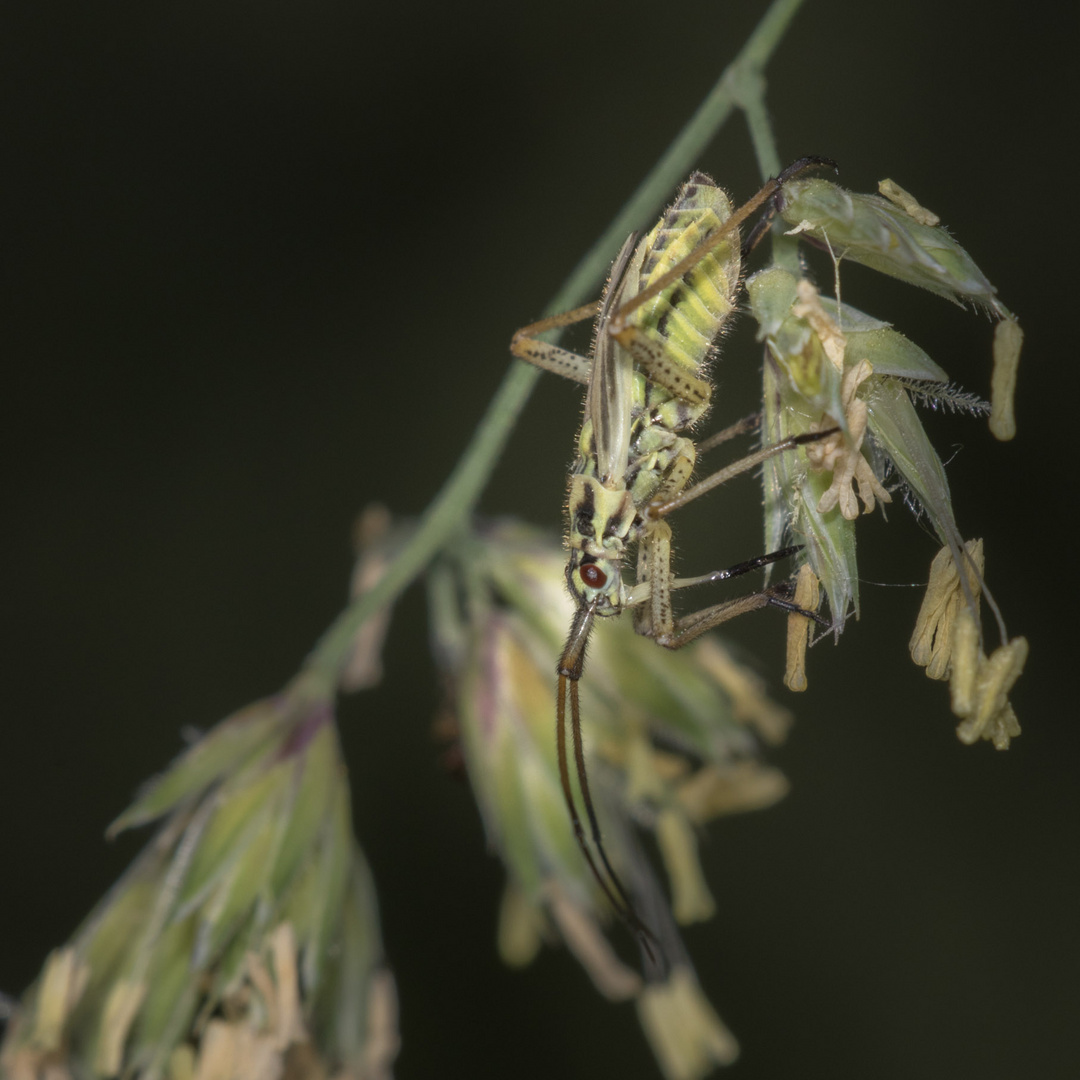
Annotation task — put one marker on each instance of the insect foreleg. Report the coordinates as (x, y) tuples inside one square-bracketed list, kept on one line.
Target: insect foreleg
[(653, 616)]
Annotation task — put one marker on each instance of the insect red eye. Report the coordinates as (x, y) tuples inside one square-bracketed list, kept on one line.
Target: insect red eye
[(593, 576)]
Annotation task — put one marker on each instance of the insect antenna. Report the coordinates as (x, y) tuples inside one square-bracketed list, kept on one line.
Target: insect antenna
[(571, 665)]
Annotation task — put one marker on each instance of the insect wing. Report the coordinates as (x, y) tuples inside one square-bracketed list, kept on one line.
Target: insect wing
[(612, 383)]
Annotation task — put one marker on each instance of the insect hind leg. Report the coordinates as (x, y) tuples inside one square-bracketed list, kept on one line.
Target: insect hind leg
[(526, 345), (773, 206)]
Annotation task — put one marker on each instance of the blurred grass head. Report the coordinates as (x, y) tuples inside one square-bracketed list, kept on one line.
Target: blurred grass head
[(247, 930)]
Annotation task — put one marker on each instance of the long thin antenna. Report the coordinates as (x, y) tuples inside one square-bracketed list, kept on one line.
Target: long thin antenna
[(571, 665)]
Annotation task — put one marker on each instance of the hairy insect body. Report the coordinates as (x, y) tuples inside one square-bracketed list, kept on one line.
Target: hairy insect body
[(667, 299), (647, 384)]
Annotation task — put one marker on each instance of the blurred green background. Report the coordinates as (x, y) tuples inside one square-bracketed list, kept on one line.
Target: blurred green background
[(263, 263)]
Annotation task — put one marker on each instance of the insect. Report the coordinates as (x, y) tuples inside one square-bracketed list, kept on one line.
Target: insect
[(667, 300)]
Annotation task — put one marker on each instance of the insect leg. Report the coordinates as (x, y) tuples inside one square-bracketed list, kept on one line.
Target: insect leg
[(662, 369), (526, 345), (654, 616), (618, 327), (746, 426), (756, 563), (571, 365), (764, 223), (736, 468), (697, 623)]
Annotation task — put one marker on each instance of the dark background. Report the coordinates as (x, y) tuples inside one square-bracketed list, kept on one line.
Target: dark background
[(263, 263)]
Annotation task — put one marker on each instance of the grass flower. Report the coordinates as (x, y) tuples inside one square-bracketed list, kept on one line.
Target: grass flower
[(831, 368), (244, 940), (946, 642), (686, 1034), (897, 236), (980, 685), (672, 741)]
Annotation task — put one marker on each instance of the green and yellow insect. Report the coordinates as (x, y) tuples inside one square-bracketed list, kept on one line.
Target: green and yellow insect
[(667, 300)]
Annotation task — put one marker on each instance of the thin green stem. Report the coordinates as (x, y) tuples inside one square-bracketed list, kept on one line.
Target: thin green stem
[(740, 84), (785, 249), (761, 134)]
